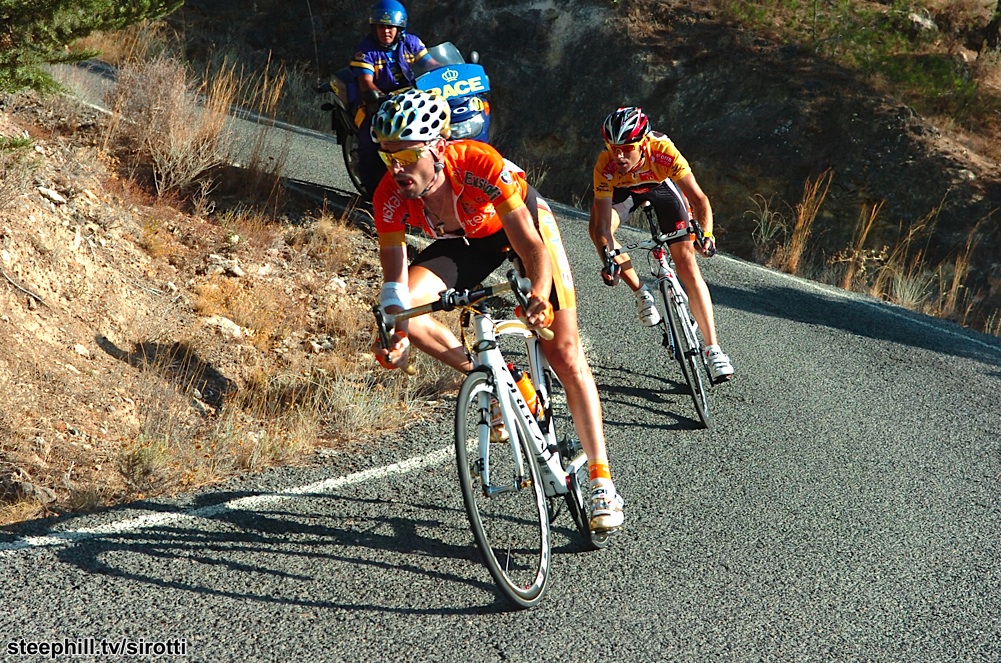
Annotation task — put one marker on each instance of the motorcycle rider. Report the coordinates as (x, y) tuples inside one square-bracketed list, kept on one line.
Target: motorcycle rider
[(477, 206), (382, 63)]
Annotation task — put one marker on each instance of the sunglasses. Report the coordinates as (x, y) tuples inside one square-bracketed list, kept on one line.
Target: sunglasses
[(405, 157), (626, 148)]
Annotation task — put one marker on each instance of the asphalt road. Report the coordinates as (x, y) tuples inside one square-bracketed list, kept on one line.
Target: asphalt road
[(844, 507)]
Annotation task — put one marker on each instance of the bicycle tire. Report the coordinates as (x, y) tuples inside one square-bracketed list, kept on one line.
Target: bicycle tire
[(511, 525), (688, 352), (578, 498)]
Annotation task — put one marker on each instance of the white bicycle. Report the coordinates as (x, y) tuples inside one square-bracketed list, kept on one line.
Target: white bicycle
[(513, 489), (679, 330)]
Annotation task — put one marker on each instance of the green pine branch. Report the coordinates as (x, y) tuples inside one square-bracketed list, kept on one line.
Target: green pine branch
[(36, 33)]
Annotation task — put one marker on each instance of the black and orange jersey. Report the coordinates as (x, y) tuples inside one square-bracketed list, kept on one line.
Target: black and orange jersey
[(661, 160), (485, 186)]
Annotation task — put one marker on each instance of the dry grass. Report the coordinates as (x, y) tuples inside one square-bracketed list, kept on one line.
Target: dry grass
[(899, 271), (16, 167), (814, 193), (771, 230)]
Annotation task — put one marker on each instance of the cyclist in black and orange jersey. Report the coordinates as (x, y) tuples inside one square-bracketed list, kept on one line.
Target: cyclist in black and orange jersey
[(642, 165), (477, 206)]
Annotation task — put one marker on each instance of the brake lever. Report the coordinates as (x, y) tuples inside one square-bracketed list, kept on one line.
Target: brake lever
[(611, 272)]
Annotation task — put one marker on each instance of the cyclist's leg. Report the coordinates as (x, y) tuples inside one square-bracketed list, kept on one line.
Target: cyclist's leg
[(699, 300), (371, 168), (449, 263), (565, 355), (673, 215)]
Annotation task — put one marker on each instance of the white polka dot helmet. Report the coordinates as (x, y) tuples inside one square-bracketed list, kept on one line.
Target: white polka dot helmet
[(411, 115)]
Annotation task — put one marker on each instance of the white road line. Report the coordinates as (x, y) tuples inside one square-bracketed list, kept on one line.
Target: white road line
[(251, 503)]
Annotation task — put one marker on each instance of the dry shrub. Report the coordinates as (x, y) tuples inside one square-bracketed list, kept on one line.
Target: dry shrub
[(330, 241), (157, 239), (857, 257), (17, 165), (139, 42), (262, 307), (156, 114), (244, 225), (349, 322)]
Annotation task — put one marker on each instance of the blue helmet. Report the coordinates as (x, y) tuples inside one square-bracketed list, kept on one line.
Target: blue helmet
[(389, 12)]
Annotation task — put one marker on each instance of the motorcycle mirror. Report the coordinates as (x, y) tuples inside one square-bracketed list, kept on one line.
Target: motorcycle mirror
[(474, 57)]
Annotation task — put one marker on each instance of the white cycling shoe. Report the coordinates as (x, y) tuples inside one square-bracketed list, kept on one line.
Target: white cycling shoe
[(606, 507), (646, 307), (720, 368)]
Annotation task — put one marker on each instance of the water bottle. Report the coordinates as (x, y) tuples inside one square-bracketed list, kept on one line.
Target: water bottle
[(526, 387)]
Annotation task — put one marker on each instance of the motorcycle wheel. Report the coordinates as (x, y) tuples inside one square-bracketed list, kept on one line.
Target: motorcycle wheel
[(349, 148)]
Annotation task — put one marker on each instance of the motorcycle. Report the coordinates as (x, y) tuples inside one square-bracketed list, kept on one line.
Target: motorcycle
[(443, 71)]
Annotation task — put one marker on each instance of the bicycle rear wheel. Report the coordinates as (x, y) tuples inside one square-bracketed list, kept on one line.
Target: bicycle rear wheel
[(578, 499), (508, 513), (688, 352)]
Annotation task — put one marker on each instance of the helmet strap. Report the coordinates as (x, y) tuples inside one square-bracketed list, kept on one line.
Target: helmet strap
[(438, 167)]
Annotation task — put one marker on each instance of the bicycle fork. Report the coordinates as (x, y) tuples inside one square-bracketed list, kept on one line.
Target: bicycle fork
[(487, 354), (663, 271)]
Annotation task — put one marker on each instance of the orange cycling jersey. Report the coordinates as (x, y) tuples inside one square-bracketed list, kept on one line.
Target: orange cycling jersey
[(661, 161), (485, 186)]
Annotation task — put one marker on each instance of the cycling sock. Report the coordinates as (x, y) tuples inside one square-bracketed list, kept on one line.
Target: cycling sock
[(599, 470)]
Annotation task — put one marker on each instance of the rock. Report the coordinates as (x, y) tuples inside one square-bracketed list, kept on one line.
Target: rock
[(54, 196), (31, 491), (226, 326), (81, 350)]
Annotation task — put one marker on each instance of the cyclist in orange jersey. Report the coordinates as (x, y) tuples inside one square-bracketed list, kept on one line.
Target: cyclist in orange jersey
[(640, 165), (477, 206)]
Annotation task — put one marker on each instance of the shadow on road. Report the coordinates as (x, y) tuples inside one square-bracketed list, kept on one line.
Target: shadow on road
[(663, 402), (272, 557), (869, 319)]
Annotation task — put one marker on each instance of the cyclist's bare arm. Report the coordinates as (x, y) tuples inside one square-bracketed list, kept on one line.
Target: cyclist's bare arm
[(394, 269), (603, 230), (701, 209), (528, 245)]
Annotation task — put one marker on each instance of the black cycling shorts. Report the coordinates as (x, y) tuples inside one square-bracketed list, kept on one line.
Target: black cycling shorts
[(669, 203)]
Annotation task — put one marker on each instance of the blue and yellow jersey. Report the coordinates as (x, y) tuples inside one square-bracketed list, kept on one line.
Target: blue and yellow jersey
[(661, 161), (485, 187), (391, 68)]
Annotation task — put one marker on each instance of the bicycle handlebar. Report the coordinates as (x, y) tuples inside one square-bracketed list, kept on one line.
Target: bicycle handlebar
[(451, 299), (694, 228)]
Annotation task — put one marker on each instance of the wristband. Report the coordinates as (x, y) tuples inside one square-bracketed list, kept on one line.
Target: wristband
[(394, 293), (708, 235)]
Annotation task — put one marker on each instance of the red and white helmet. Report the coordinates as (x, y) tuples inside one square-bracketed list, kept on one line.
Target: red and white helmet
[(626, 125)]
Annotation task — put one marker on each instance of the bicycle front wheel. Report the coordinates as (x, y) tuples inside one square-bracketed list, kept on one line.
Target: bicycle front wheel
[(504, 497), (688, 352)]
